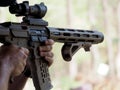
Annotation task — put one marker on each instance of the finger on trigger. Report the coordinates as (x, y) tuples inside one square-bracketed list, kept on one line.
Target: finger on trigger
[(49, 42)]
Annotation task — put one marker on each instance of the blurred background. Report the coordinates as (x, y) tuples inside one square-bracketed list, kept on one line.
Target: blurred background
[(98, 69)]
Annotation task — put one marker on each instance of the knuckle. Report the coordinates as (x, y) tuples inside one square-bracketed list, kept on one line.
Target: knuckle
[(20, 48), (45, 48), (50, 42), (48, 48), (24, 50), (25, 57), (50, 54), (50, 61)]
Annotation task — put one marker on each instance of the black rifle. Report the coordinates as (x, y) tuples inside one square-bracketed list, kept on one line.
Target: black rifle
[(33, 32)]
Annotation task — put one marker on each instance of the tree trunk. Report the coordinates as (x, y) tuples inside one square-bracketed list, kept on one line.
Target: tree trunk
[(106, 11), (118, 52), (110, 52), (69, 15), (94, 50)]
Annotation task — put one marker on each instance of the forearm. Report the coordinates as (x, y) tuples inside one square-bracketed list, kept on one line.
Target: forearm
[(18, 83), (3, 83), (4, 76), (4, 79)]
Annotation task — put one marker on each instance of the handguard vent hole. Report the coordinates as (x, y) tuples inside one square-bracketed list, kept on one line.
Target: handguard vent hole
[(76, 35), (86, 35), (95, 36), (66, 34)]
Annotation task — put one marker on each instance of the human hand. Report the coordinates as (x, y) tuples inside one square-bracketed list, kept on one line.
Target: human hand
[(13, 58), (45, 51)]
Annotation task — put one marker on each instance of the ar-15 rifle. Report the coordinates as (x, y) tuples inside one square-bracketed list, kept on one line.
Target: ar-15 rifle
[(33, 32)]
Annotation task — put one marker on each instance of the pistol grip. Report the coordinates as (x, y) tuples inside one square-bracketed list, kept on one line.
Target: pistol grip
[(39, 70)]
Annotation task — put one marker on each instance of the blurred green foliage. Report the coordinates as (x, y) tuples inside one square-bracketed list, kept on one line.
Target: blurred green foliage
[(57, 17)]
